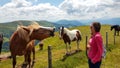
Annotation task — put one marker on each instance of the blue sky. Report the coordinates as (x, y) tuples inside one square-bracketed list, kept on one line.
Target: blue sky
[(52, 2), (2, 2), (35, 2), (54, 10)]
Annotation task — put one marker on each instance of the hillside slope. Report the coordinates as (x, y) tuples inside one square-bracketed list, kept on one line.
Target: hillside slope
[(78, 60)]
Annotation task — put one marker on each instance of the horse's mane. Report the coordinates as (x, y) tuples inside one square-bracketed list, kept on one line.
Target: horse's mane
[(22, 33), (66, 30), (34, 25)]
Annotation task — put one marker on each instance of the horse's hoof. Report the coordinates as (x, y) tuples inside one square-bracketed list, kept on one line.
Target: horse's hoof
[(78, 50), (67, 54), (25, 63), (33, 61)]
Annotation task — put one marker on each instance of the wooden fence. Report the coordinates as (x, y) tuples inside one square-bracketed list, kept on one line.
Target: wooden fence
[(50, 53)]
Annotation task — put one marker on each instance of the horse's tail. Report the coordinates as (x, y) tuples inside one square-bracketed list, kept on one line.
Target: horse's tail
[(79, 35)]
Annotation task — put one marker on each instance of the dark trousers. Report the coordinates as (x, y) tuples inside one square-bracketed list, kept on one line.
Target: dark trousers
[(96, 65)]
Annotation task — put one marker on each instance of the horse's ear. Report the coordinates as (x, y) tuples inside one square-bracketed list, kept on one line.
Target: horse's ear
[(54, 29), (26, 29), (62, 27)]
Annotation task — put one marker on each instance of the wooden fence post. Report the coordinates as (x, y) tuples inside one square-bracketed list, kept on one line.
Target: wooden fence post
[(86, 44), (49, 57), (106, 39)]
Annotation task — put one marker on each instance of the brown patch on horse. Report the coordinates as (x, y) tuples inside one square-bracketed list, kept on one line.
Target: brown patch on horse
[(74, 39), (66, 38), (78, 34)]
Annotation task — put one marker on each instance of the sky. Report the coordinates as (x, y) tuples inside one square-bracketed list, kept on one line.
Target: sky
[(54, 10)]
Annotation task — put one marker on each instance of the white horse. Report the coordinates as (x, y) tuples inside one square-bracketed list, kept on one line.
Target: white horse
[(70, 35)]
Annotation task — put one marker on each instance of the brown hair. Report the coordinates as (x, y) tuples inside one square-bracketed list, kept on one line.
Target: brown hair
[(97, 26)]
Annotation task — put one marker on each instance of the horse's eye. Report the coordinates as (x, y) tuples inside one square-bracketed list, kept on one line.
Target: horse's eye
[(36, 30)]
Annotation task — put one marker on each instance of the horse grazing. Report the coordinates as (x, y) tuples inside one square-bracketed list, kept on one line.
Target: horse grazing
[(1, 42), (116, 29), (70, 35), (22, 40)]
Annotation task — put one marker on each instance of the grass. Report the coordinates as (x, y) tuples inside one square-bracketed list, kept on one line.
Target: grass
[(78, 60)]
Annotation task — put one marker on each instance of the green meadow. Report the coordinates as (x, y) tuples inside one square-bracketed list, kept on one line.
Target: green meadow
[(78, 60)]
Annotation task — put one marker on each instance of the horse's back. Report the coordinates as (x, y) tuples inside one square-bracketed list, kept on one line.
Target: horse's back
[(74, 34), (17, 47)]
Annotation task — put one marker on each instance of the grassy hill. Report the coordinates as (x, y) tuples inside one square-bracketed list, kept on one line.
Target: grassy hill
[(78, 60), (11, 26)]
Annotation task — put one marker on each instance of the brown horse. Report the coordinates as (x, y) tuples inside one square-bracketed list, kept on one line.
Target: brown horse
[(1, 42), (68, 36), (21, 41)]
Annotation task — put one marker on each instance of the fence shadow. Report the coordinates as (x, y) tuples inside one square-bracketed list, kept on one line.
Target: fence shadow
[(70, 54)]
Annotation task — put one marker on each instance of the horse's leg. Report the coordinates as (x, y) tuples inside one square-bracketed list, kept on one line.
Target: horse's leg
[(66, 49), (118, 33), (29, 59), (0, 47), (25, 63), (78, 43), (70, 47), (33, 50), (26, 58), (115, 33), (14, 61)]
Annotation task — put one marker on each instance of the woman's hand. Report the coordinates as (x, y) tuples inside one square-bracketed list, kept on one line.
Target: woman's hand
[(88, 47)]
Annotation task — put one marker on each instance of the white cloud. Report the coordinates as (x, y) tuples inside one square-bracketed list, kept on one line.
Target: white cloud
[(68, 9), (17, 4), (23, 10), (89, 8)]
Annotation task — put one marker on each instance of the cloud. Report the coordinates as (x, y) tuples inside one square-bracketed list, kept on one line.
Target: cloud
[(68, 9), (24, 10), (17, 4), (89, 7)]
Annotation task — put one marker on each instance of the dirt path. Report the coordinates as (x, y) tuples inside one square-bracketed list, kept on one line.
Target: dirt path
[(4, 56)]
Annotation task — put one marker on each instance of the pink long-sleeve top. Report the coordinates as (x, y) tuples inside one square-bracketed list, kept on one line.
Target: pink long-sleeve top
[(95, 51)]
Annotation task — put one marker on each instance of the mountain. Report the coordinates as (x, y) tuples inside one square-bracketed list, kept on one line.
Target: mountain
[(110, 21), (68, 23)]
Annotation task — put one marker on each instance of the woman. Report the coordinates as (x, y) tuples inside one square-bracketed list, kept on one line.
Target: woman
[(95, 46)]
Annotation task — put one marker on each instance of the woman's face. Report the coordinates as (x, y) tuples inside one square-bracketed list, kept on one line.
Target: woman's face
[(92, 29)]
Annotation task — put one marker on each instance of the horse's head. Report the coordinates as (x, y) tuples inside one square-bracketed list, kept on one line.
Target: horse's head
[(111, 28), (34, 31), (42, 33), (115, 27), (61, 32)]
